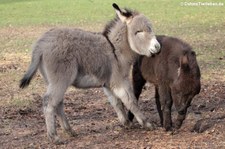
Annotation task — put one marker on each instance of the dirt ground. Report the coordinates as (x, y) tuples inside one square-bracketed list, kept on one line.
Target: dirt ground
[(97, 126)]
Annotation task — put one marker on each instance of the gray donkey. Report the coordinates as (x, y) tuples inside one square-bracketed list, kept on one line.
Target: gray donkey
[(84, 59)]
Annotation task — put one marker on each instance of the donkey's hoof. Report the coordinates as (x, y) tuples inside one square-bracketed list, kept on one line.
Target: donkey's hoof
[(174, 132), (71, 133), (127, 124), (56, 140), (168, 128), (149, 126), (177, 124)]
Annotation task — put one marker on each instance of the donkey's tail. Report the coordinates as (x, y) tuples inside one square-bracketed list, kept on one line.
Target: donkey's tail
[(36, 59)]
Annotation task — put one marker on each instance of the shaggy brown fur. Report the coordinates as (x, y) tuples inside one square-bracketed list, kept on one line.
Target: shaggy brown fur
[(176, 76)]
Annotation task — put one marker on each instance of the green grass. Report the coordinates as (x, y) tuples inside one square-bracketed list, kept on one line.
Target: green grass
[(72, 12)]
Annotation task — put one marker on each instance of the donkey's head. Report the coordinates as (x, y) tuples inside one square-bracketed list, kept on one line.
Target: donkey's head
[(186, 86), (141, 37)]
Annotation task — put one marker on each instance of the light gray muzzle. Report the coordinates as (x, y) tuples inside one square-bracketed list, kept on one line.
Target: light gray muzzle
[(154, 46)]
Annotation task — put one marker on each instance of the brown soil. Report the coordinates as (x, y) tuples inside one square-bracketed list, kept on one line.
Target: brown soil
[(97, 126)]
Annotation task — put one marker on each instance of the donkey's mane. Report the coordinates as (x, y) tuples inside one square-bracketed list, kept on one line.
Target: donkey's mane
[(112, 23)]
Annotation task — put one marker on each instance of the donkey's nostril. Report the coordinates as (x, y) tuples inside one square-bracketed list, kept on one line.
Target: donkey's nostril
[(157, 46), (154, 46)]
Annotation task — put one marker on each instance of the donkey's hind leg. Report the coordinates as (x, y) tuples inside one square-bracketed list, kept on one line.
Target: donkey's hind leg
[(49, 113), (63, 120), (118, 106), (51, 101)]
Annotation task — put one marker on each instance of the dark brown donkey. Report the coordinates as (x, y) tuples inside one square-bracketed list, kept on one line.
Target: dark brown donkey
[(176, 76)]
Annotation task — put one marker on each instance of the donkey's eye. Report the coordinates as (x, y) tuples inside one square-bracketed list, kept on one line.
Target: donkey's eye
[(138, 32)]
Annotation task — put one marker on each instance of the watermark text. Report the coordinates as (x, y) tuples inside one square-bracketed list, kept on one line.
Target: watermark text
[(220, 4)]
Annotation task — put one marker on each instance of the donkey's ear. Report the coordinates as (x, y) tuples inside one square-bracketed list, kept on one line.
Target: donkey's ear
[(123, 15), (184, 63), (184, 66)]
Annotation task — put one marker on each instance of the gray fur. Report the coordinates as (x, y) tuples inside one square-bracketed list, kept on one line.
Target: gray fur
[(84, 59)]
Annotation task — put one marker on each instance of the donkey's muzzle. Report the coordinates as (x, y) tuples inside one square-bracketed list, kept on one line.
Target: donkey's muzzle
[(154, 46), (157, 47)]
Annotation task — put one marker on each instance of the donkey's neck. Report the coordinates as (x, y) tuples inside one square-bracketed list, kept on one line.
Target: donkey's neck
[(118, 37)]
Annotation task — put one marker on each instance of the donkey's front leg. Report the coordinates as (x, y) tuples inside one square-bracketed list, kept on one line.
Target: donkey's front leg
[(158, 104), (138, 84), (118, 106), (126, 94), (166, 104)]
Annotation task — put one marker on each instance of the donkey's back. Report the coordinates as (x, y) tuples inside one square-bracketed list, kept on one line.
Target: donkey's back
[(81, 58), (165, 66)]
